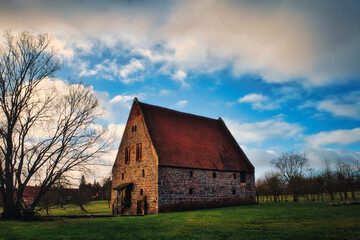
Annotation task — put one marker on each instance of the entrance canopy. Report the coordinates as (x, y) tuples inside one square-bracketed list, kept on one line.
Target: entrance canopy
[(123, 186)]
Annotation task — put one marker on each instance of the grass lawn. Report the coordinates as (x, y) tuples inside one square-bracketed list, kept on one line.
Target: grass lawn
[(93, 208), (287, 220)]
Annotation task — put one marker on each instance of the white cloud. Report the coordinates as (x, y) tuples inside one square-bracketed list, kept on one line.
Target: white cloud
[(180, 76), (111, 70), (340, 106), (123, 100), (260, 159), (116, 129), (164, 92), (259, 102), (83, 69), (259, 132), (342, 137), (350, 110), (62, 48), (182, 103), (253, 98), (134, 66), (307, 104), (278, 40), (317, 156)]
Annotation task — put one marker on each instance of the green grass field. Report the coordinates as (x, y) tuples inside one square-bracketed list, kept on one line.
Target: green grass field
[(93, 208), (286, 220)]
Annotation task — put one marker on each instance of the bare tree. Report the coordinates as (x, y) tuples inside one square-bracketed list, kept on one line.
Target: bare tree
[(291, 166), (347, 177), (329, 179), (45, 134)]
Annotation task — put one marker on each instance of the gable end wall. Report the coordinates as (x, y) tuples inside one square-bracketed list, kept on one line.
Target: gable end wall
[(133, 170)]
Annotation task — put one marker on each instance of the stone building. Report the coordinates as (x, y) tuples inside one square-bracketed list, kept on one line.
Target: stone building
[(173, 161)]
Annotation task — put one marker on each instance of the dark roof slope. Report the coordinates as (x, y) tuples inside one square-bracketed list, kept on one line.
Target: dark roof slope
[(187, 140)]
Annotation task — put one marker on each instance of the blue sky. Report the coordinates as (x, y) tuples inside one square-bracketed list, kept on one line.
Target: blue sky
[(282, 74)]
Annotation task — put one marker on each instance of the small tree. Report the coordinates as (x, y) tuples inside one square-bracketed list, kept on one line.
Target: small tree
[(106, 190), (83, 196), (291, 166)]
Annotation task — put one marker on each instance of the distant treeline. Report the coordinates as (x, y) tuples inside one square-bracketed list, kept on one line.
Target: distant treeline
[(295, 179)]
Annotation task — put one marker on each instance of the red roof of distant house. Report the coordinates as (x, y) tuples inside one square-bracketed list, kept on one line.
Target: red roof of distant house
[(191, 141)]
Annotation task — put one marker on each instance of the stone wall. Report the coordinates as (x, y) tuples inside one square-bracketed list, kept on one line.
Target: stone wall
[(132, 172), (186, 189)]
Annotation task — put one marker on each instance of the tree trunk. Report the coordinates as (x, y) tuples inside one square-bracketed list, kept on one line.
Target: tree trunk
[(332, 196), (296, 198), (11, 211), (82, 208)]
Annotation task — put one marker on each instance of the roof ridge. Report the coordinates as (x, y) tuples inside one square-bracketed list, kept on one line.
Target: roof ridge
[(176, 111)]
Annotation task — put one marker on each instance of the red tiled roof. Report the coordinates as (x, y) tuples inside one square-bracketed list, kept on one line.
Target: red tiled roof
[(187, 140)]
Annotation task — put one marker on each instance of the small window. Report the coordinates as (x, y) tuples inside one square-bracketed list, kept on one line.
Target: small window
[(133, 128), (234, 176), (214, 174), (122, 176), (190, 191), (139, 152), (141, 192), (233, 191), (190, 173), (243, 177), (127, 155), (143, 173)]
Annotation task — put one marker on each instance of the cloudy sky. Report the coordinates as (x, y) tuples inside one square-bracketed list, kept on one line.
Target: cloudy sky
[(282, 74)]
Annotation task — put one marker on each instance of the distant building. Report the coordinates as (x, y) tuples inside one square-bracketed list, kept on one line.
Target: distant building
[(63, 194), (30, 193), (173, 161)]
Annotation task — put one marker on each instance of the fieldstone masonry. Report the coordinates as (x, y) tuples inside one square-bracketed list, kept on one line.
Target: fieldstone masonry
[(185, 189)]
